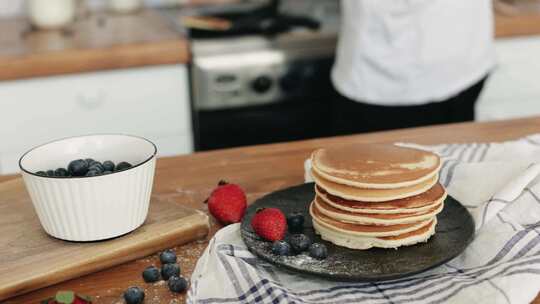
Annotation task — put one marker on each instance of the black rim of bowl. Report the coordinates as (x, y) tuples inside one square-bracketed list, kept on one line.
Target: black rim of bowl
[(89, 135)]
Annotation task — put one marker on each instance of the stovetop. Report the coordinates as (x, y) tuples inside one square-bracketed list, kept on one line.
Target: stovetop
[(323, 12)]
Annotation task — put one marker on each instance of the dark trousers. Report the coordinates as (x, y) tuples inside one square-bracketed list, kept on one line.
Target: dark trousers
[(356, 117)]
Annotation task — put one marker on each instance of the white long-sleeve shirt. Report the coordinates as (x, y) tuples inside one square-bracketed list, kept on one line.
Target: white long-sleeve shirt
[(405, 52)]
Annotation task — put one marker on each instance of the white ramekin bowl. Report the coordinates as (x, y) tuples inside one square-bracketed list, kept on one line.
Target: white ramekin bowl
[(91, 208)]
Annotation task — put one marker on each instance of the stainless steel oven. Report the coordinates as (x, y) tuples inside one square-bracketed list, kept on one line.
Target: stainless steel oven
[(261, 95), (260, 88)]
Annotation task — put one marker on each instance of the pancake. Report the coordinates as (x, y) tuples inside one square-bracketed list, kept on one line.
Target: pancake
[(422, 234), (414, 204), (372, 195), (371, 166), (362, 230), (375, 218)]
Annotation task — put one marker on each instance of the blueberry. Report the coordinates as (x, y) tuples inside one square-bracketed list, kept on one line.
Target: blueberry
[(50, 173), (151, 274), (299, 242), (134, 295), (41, 173), (96, 166), (295, 222), (281, 248), (89, 161), (78, 167), (108, 165), (92, 173), (61, 172), (167, 257), (106, 172), (169, 270), (123, 166), (318, 251), (177, 284)]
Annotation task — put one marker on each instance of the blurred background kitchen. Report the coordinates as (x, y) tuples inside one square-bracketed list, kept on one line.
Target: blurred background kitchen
[(194, 75)]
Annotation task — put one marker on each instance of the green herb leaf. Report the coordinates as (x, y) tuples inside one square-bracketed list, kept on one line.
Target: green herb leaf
[(84, 297), (65, 297)]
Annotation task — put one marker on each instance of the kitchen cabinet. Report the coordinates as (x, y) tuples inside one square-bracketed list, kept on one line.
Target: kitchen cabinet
[(152, 102), (512, 89)]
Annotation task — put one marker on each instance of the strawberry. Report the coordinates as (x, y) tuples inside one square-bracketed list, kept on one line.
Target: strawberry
[(80, 301), (227, 203), (270, 224)]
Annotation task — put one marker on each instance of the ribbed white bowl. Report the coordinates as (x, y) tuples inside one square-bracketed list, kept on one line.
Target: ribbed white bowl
[(91, 208)]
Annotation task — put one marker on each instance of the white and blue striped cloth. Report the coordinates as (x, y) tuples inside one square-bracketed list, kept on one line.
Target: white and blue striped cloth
[(497, 182)]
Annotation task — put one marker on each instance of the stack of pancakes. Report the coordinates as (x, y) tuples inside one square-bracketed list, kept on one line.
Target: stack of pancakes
[(375, 195)]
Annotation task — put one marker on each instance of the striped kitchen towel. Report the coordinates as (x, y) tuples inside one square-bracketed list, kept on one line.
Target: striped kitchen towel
[(499, 183)]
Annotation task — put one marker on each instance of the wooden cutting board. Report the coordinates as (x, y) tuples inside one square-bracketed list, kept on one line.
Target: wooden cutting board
[(30, 259)]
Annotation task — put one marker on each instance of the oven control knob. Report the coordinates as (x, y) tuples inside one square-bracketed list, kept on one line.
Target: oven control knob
[(262, 84)]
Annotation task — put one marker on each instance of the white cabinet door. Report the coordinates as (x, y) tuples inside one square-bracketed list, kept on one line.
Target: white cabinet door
[(512, 90), (152, 102)]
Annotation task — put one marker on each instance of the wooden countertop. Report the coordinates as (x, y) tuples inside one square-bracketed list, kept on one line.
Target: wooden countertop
[(100, 41), (104, 41), (259, 169), (526, 24)]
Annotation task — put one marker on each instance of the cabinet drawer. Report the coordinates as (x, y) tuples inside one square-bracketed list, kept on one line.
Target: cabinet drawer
[(151, 102)]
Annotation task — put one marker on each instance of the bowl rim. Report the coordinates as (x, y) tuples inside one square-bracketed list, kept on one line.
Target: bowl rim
[(87, 135)]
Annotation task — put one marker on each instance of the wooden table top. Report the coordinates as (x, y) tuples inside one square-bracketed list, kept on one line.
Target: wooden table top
[(259, 170), (99, 41)]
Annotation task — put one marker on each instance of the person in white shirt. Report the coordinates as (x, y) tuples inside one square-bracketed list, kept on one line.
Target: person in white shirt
[(405, 63)]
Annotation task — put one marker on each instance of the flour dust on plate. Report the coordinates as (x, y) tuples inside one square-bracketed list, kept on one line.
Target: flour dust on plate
[(455, 230)]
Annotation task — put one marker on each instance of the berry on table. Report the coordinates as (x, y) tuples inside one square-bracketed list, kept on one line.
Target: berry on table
[(281, 248), (167, 257), (227, 203), (169, 270), (299, 242), (318, 251), (177, 284), (151, 274), (78, 167), (134, 295), (270, 224), (123, 166), (295, 222)]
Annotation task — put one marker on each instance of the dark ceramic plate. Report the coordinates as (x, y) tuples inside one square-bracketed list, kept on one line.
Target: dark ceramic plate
[(455, 230)]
